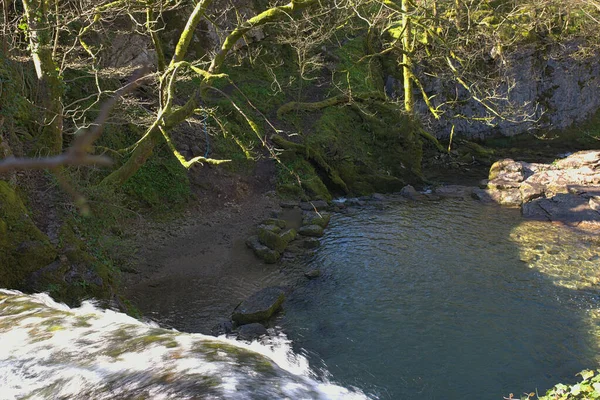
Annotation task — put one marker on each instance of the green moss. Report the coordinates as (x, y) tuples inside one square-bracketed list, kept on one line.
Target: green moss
[(23, 247), (162, 183)]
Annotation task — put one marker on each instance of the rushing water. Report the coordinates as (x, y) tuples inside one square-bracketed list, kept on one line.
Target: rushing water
[(50, 351), (448, 300)]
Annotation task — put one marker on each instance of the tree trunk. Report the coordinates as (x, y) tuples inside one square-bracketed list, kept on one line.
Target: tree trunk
[(409, 101), (40, 41)]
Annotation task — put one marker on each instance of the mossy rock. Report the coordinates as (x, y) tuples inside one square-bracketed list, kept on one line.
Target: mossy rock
[(270, 228), (321, 219), (289, 235), (259, 307), (274, 221), (24, 249), (311, 230), (261, 251), (272, 240)]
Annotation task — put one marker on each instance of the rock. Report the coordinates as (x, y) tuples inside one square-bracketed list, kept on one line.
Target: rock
[(259, 307), (270, 228), (311, 230), (581, 159), (252, 331), (594, 203), (530, 191), (454, 191), (532, 210), (321, 219), (312, 274), (289, 204), (311, 243), (482, 195), (410, 192), (355, 202), (289, 235), (507, 169), (272, 240), (261, 251), (280, 223), (222, 328), (378, 197), (312, 205), (568, 208), (566, 191)]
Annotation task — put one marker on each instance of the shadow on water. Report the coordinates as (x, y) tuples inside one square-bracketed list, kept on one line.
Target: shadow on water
[(448, 300)]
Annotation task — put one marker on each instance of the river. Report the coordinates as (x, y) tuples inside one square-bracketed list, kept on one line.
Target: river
[(448, 300)]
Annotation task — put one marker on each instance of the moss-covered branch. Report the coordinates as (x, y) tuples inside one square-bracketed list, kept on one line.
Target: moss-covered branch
[(312, 156), (188, 32), (332, 101), (270, 15)]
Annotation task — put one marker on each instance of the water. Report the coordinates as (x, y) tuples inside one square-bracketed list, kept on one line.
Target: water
[(448, 300), (50, 351)]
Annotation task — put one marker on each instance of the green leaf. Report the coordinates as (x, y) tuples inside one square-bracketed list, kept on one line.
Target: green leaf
[(596, 387), (561, 388), (576, 389), (586, 374)]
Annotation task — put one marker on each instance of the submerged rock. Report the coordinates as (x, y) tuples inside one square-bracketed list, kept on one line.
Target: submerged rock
[(259, 307), (252, 331), (311, 243), (222, 328), (312, 274)]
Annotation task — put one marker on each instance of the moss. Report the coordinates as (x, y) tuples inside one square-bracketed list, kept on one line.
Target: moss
[(162, 183), (24, 249)]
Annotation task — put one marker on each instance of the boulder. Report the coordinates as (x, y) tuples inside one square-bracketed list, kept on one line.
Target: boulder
[(409, 192), (567, 190), (252, 331), (272, 240), (311, 230), (259, 307)]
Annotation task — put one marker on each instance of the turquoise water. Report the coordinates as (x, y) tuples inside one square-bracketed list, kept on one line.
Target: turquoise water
[(447, 300)]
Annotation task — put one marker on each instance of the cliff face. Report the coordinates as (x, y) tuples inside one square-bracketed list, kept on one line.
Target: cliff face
[(554, 85)]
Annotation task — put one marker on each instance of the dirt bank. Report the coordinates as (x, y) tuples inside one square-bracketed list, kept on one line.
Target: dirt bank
[(191, 272)]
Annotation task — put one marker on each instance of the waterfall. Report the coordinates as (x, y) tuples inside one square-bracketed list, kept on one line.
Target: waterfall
[(50, 351)]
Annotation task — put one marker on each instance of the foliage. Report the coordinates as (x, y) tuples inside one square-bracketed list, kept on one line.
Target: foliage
[(587, 389)]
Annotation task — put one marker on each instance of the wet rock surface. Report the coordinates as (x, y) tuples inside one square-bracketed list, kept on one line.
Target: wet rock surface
[(259, 307)]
